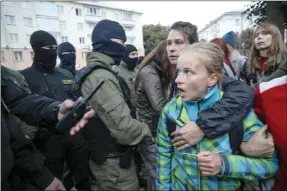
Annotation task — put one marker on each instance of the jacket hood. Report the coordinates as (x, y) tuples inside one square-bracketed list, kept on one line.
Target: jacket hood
[(94, 57)]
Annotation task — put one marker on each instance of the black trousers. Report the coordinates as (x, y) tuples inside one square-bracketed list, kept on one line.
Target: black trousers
[(61, 148)]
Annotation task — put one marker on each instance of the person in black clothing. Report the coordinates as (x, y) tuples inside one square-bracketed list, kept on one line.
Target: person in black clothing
[(45, 79), (17, 153), (27, 163), (67, 55)]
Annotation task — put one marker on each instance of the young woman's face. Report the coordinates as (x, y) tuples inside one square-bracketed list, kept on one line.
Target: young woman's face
[(262, 39), (193, 78), (175, 44)]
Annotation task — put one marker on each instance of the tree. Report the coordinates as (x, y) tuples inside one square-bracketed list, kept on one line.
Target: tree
[(274, 12), (246, 38), (245, 41), (153, 34)]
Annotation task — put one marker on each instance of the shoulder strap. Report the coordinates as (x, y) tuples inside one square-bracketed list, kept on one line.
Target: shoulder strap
[(236, 138), (81, 76), (4, 105), (83, 73), (171, 126)]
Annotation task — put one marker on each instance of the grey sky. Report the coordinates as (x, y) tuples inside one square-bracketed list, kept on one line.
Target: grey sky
[(199, 13)]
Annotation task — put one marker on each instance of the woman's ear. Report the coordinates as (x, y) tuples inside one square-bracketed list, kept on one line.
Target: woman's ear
[(212, 80)]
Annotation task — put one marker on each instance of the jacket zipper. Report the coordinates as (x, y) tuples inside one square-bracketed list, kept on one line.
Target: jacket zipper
[(197, 151)]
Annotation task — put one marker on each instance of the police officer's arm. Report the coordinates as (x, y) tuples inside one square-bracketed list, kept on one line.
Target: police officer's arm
[(31, 108), (113, 111), (28, 161), (228, 112)]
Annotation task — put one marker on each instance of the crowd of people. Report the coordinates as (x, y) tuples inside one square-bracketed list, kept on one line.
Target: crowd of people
[(189, 115)]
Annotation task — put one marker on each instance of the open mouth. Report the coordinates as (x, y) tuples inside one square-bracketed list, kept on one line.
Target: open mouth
[(180, 90), (173, 57), (259, 43)]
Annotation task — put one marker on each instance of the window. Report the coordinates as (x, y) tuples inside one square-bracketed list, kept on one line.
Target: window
[(60, 9), (82, 40), (13, 37), (62, 24), (10, 20), (48, 24), (84, 55), (28, 22), (18, 56), (28, 36), (117, 16), (92, 25), (26, 5), (78, 12), (236, 22), (128, 29), (32, 55), (80, 26), (127, 16), (93, 11), (64, 39), (2, 56)]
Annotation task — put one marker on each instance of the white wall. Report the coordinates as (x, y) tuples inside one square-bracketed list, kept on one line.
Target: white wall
[(46, 17), (225, 24), (19, 12)]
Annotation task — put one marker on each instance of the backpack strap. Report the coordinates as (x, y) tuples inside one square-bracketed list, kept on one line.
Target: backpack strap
[(83, 73), (171, 126), (236, 138)]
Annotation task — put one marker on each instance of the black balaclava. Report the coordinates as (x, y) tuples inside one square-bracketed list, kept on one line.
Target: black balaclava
[(102, 33), (68, 61), (131, 62), (45, 57)]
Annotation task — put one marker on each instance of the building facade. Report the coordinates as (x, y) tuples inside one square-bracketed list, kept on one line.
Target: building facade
[(229, 21), (67, 21)]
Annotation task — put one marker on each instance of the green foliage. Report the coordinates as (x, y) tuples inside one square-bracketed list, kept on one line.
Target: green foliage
[(259, 8), (246, 38), (153, 35)]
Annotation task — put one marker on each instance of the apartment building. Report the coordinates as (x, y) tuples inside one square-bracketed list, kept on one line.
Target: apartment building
[(229, 21), (67, 21)]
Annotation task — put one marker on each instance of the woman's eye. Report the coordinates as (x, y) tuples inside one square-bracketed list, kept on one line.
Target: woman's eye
[(187, 72)]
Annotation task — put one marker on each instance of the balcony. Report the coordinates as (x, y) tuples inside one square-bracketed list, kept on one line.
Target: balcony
[(46, 8)]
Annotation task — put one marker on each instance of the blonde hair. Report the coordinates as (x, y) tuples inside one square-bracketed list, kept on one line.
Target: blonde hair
[(275, 51), (211, 55)]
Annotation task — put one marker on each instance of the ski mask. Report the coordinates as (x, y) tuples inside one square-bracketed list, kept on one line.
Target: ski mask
[(68, 60), (45, 57), (102, 34), (131, 62)]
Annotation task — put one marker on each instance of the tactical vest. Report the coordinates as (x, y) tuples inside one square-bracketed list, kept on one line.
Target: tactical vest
[(100, 141)]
